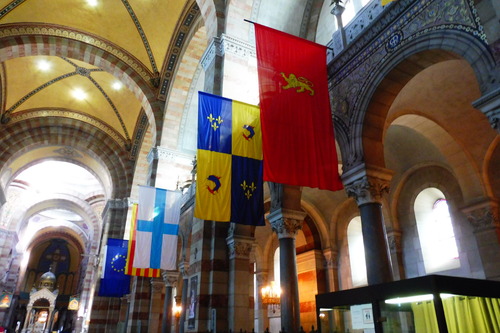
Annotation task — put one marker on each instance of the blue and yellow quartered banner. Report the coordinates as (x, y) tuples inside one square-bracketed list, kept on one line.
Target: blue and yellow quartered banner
[(229, 185)]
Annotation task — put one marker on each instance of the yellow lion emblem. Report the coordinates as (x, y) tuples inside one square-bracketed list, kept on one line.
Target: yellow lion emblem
[(301, 83)]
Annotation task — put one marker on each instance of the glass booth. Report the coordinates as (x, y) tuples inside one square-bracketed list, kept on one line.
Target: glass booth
[(425, 304)]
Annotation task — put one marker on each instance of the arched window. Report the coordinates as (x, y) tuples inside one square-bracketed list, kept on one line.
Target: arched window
[(435, 231), (356, 253)]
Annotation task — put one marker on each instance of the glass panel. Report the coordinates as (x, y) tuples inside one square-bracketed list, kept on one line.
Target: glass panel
[(343, 319)]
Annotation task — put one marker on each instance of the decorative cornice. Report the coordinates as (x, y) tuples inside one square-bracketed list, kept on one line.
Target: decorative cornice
[(489, 104), (115, 204), (239, 247), (226, 44), (37, 29), (160, 153), (483, 216), (285, 222)]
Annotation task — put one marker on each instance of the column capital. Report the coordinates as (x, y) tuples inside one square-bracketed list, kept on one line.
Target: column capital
[(394, 241), (170, 278), (483, 216), (156, 286), (240, 247), (219, 46), (330, 258), (184, 269), (286, 222), (367, 184)]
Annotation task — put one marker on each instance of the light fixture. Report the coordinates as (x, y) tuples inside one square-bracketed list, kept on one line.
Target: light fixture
[(117, 85), (271, 294), (92, 3), (176, 310), (44, 65), (416, 298), (79, 94)]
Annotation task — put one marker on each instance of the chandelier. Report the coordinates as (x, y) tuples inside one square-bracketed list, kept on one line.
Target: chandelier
[(271, 294)]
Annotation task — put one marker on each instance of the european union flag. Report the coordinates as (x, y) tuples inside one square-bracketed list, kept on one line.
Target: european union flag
[(229, 186), (114, 282)]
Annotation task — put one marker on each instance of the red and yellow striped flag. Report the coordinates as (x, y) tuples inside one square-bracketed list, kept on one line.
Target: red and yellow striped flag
[(129, 270)]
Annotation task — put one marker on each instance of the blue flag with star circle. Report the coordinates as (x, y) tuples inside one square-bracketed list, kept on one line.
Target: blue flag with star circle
[(114, 282)]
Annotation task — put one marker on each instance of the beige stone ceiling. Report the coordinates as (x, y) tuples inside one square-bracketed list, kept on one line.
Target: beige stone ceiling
[(141, 29)]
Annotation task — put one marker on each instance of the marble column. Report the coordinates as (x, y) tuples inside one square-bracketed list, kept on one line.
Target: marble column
[(286, 223), (155, 305), (239, 279), (485, 220), (170, 280), (368, 187)]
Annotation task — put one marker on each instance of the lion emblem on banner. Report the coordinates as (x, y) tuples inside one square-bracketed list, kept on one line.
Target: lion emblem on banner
[(301, 83)]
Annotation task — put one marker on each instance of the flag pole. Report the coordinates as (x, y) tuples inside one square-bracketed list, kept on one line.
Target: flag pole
[(329, 48)]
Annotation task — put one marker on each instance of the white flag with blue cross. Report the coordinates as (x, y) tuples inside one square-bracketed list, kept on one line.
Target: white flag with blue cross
[(157, 228)]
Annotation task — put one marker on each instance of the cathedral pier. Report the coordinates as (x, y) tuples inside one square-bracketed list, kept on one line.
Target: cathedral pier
[(286, 223), (367, 187)]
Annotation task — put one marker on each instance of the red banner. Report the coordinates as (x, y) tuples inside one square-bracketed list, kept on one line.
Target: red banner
[(298, 142)]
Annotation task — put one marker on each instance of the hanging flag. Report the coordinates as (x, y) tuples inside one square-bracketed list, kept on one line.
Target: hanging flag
[(157, 228), (114, 282), (385, 2), (297, 131), (129, 269), (229, 185)]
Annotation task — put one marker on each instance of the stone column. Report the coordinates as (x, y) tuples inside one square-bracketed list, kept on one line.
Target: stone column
[(331, 267), (170, 280), (155, 305), (367, 186), (239, 279), (337, 11), (286, 223), (484, 218), (263, 321), (396, 253)]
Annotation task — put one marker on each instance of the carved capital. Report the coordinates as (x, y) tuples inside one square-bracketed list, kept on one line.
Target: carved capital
[(170, 278), (156, 286), (483, 216), (394, 240), (367, 190), (239, 247), (184, 269), (285, 223), (330, 259)]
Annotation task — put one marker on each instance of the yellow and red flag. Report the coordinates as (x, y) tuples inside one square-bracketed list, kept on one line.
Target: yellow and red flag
[(298, 142), (129, 270)]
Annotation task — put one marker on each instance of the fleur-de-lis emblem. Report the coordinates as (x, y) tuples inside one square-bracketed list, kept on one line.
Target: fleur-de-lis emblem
[(215, 122), (248, 189)]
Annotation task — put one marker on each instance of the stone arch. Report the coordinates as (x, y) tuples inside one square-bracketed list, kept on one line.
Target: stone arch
[(491, 169), (89, 49), (214, 16), (319, 224), (368, 124), (21, 137)]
